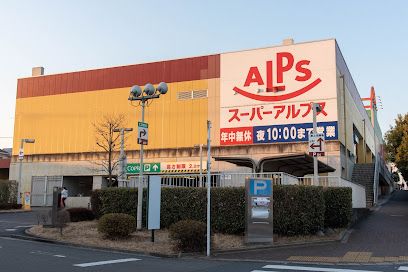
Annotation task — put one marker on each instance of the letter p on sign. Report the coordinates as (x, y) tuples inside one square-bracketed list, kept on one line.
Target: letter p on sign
[(259, 187)]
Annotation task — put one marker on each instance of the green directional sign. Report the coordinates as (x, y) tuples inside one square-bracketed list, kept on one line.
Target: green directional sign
[(134, 168)]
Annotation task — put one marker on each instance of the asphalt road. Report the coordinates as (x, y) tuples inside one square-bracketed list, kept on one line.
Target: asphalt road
[(26, 256), (16, 223), (383, 233)]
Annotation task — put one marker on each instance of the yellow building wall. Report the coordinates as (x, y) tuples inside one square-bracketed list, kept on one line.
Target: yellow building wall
[(63, 123)]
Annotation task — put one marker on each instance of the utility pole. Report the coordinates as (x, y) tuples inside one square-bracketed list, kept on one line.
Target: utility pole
[(122, 155)]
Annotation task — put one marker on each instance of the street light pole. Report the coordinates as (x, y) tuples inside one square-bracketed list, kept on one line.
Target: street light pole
[(136, 94), (20, 171), (122, 156), (140, 184)]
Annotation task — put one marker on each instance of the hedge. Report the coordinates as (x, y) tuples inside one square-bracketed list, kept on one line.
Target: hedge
[(338, 207), (80, 214), (297, 209), (8, 194)]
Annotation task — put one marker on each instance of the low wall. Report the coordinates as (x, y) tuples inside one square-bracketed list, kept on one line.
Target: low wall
[(359, 193), (78, 202)]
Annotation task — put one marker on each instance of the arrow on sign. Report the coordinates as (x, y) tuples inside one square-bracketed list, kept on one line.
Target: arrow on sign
[(142, 133), (155, 167), (320, 140)]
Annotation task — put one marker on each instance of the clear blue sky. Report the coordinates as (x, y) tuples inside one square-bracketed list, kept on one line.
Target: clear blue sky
[(75, 35)]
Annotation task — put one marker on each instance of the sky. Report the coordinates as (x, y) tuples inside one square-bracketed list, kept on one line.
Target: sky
[(73, 35)]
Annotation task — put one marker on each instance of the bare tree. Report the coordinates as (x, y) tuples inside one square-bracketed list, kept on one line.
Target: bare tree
[(109, 142)]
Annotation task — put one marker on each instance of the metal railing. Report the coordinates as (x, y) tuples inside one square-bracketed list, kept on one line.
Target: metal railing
[(217, 179)]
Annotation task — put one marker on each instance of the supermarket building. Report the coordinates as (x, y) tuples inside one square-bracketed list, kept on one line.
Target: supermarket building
[(259, 103)]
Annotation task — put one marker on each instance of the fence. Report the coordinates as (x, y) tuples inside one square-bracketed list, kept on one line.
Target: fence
[(238, 179), (217, 179)]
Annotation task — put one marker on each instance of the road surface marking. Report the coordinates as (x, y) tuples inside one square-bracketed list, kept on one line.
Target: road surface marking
[(59, 256), (316, 269), (264, 271), (11, 229), (107, 262), (28, 226), (403, 268)]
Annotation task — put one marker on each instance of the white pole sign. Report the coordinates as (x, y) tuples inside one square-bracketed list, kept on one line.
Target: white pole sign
[(153, 217), (142, 133), (316, 144)]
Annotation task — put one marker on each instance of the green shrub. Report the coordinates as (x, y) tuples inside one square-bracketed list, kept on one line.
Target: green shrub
[(298, 209), (189, 235), (96, 203), (80, 214), (116, 225), (338, 207), (227, 206), (8, 194), (10, 206)]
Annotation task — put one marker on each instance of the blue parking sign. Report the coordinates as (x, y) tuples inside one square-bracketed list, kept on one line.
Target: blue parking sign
[(260, 187)]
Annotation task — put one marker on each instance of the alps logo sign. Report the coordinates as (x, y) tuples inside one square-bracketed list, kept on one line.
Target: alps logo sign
[(266, 94), (285, 62)]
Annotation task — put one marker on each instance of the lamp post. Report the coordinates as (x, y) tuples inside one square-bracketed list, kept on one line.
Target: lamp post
[(122, 156), (136, 94), (20, 171)]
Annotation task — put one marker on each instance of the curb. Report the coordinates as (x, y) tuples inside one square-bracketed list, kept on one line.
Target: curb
[(15, 211), (30, 237), (287, 245), (305, 263)]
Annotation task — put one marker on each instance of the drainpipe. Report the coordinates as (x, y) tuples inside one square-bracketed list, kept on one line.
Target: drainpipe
[(345, 125)]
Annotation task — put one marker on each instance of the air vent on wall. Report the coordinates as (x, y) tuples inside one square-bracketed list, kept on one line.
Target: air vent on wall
[(184, 95), (199, 94), (196, 94)]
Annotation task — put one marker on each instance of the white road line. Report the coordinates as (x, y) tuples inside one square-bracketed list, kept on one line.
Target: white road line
[(28, 226), (264, 271), (403, 268), (107, 262), (317, 269), (11, 229), (59, 256)]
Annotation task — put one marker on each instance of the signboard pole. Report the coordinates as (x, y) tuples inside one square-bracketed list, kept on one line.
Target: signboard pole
[(315, 166), (208, 188)]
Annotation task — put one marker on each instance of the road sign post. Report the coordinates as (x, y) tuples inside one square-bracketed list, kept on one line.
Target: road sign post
[(316, 144), (142, 133)]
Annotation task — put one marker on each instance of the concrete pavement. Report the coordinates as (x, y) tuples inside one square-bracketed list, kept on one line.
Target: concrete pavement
[(380, 238)]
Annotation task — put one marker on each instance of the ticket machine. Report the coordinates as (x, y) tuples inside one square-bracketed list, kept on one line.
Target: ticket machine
[(259, 210)]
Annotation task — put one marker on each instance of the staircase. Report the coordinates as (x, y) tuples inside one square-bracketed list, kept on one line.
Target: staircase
[(364, 174)]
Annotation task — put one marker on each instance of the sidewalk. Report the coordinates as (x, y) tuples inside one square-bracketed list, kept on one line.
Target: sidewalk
[(380, 238)]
